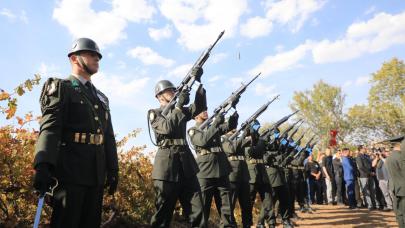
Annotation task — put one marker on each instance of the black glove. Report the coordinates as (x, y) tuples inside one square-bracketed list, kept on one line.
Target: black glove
[(233, 121), (218, 120), (42, 178), (112, 181), (200, 99), (184, 99), (246, 132), (197, 72)]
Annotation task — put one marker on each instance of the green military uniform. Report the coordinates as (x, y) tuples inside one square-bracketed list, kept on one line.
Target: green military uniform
[(259, 180), (277, 181), (76, 141), (214, 170), (239, 177), (396, 168), (298, 180), (174, 169)]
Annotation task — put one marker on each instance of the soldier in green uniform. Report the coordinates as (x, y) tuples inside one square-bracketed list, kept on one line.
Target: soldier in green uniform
[(213, 164), (76, 143), (396, 169), (239, 176), (174, 169), (275, 173), (258, 178)]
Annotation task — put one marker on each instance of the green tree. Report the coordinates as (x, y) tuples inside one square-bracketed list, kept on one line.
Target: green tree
[(322, 109), (384, 115)]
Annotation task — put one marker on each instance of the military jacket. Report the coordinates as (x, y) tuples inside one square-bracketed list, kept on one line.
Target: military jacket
[(211, 159), (272, 159), (173, 158), (257, 170), (236, 156), (69, 108), (396, 168)]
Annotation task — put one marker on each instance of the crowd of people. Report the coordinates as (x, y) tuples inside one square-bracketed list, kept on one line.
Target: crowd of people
[(356, 178)]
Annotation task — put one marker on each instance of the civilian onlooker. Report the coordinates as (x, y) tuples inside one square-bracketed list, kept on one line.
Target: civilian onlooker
[(327, 168), (383, 177), (314, 175), (357, 192), (322, 181), (349, 177), (366, 182), (338, 176)]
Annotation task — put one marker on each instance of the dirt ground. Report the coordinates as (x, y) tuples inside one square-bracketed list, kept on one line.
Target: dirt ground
[(340, 216)]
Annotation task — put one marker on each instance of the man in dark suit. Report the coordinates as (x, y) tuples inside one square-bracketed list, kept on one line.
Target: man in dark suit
[(76, 143)]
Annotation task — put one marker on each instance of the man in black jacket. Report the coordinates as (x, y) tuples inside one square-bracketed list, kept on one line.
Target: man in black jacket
[(367, 186)]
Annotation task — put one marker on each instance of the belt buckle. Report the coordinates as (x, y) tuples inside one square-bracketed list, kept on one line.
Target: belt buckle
[(98, 139), (77, 138)]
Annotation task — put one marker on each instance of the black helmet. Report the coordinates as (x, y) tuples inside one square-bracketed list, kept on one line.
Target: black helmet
[(84, 44), (162, 86)]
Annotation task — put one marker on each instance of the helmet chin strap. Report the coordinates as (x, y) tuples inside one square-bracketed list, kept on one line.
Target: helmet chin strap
[(84, 66)]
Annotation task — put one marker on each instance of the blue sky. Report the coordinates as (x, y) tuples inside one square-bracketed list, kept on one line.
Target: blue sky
[(294, 43)]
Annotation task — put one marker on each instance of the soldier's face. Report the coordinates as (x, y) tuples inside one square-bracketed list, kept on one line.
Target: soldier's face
[(91, 59), (166, 96)]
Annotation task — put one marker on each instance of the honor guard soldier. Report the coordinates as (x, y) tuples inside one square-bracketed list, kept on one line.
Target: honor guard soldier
[(272, 160), (76, 143), (174, 169), (213, 164), (239, 176), (258, 178)]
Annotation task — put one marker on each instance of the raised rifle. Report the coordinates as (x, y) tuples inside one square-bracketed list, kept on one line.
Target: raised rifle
[(252, 118), (229, 103), (190, 79), (266, 134)]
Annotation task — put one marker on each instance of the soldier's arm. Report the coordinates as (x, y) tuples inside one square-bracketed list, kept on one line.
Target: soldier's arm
[(165, 125), (202, 137), (200, 103), (111, 148), (51, 124)]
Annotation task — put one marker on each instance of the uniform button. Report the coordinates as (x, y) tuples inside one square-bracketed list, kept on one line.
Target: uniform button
[(81, 102), (96, 106), (96, 118), (98, 130)]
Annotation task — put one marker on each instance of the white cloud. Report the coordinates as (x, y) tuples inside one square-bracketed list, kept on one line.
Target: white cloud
[(265, 90), (218, 57), (370, 10), (149, 57), (256, 27), (377, 34), (7, 13), (293, 13), (199, 22), (122, 91), (49, 70), (362, 80), (13, 16), (281, 61), (180, 71), (106, 27), (162, 33), (347, 84), (133, 10)]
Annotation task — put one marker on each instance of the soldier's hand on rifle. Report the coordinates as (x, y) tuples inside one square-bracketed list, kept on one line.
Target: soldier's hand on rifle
[(235, 102), (184, 99), (42, 178), (219, 119), (233, 120), (112, 182), (197, 72)]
